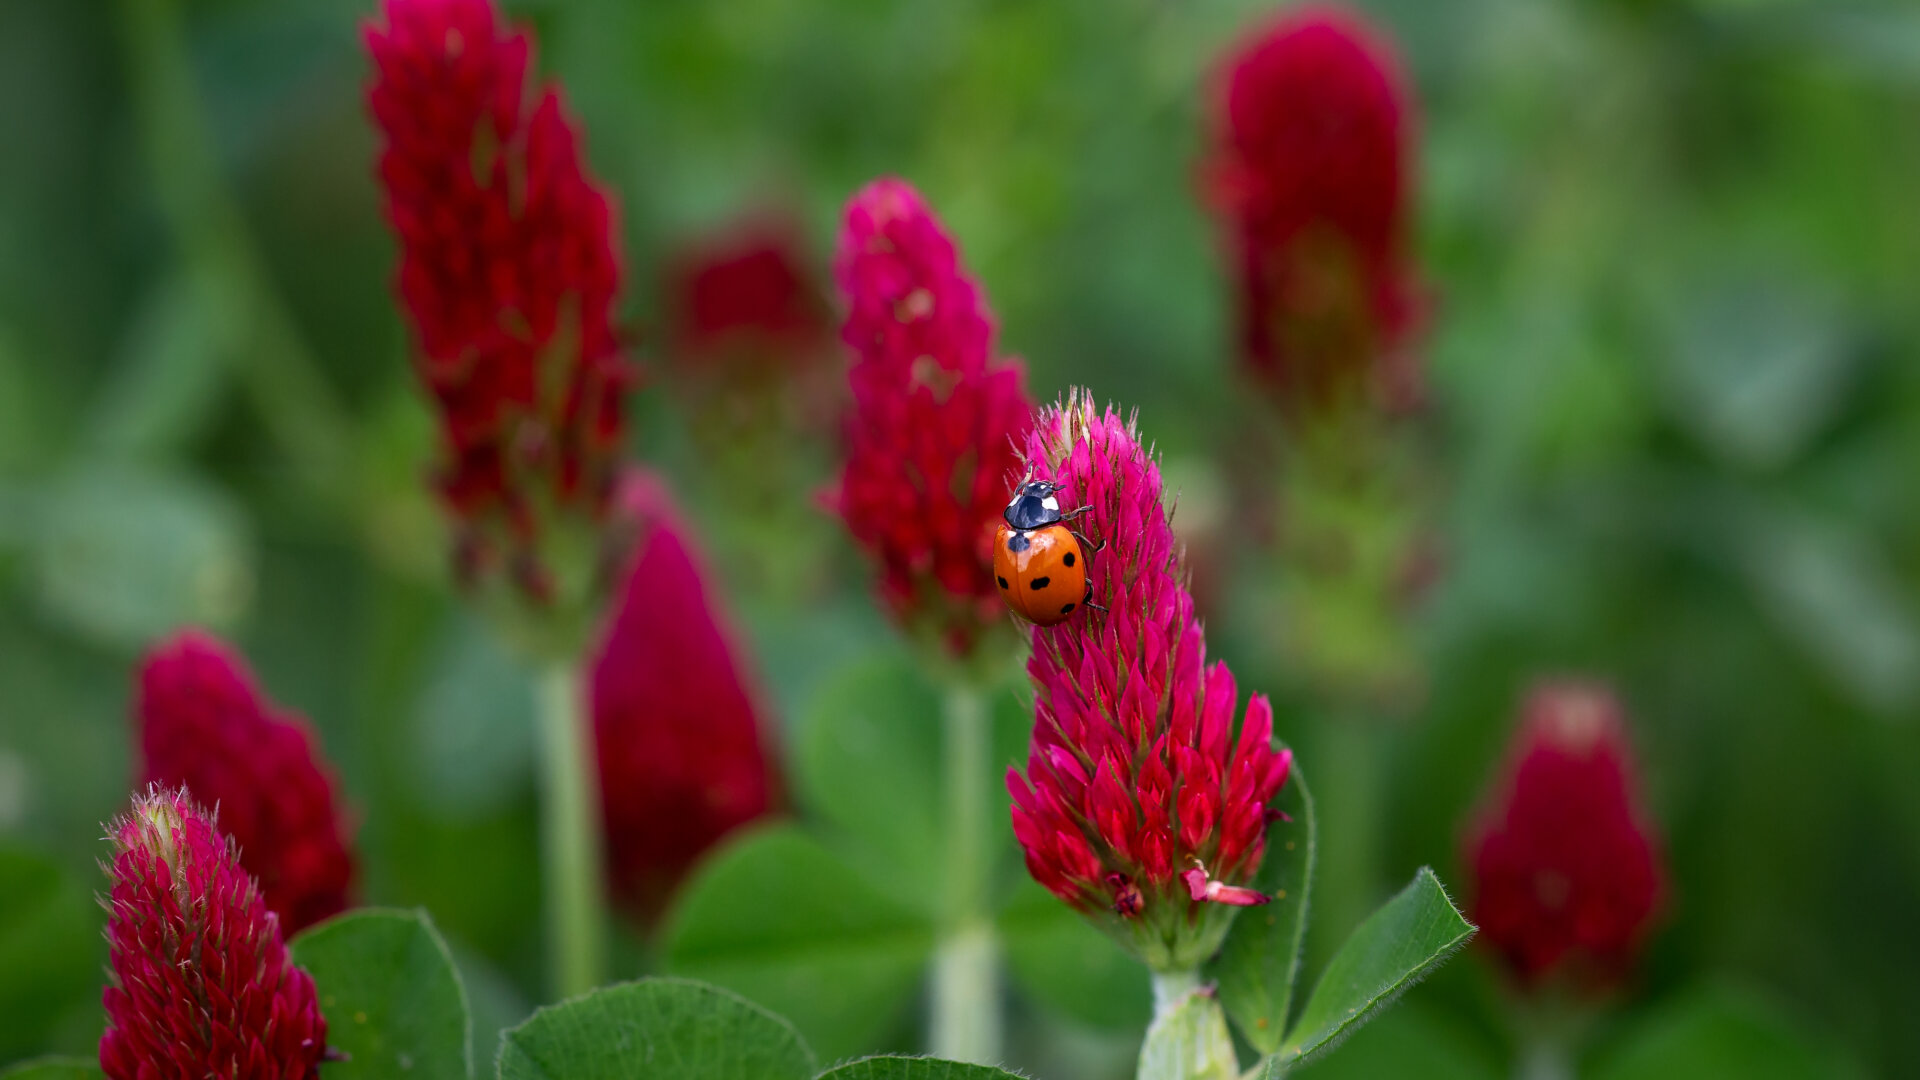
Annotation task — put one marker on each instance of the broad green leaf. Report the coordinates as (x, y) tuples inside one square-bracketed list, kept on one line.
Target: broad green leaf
[(779, 918), (1720, 1031), (51, 952), (655, 1027), (53, 1068), (1260, 961), (127, 554), (913, 1068), (1189, 1042), (1067, 965), (391, 997), (1407, 938), (867, 759)]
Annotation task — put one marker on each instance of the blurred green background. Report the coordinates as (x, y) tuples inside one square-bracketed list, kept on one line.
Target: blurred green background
[(1674, 245)]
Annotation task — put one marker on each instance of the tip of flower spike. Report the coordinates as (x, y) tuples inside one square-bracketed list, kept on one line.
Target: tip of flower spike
[(156, 821)]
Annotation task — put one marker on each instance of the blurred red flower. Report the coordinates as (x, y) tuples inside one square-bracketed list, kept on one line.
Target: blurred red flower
[(508, 274), (203, 724), (1566, 865), (201, 981), (931, 441), (1308, 173), (745, 292), (1140, 806), (683, 753)]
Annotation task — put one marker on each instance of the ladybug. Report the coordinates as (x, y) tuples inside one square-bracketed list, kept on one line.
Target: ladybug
[(1041, 564)]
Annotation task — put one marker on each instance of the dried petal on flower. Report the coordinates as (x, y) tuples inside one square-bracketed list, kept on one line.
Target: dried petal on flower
[(1308, 174), (202, 984), (936, 419), (1141, 804), (508, 274), (1566, 866), (201, 722), (683, 751)]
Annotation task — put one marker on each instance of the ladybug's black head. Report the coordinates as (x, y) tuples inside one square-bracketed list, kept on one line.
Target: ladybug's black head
[(1034, 505)]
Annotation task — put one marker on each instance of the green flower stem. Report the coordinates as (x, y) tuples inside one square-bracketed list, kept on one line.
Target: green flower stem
[(1170, 989), (1543, 1059), (966, 978), (570, 836), (1188, 1038)]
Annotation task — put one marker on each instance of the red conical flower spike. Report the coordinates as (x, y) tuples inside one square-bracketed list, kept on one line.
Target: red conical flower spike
[(508, 274), (203, 723), (1309, 177), (932, 437), (202, 985), (682, 750), (1566, 865), (1141, 805)]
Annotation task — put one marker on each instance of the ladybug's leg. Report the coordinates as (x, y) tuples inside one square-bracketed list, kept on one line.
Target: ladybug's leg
[(1088, 601), (1070, 515), (1087, 546)]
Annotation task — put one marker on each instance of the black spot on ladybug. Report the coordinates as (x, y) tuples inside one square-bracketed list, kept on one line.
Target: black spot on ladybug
[(1001, 580), (1069, 559), (1018, 542), (1039, 583), (1065, 609)]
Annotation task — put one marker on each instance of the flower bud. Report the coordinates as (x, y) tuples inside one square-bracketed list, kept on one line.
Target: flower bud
[(203, 724), (1567, 874), (201, 981)]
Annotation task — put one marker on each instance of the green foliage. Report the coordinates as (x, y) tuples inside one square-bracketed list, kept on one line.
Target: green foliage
[(1721, 1031), (53, 1068), (1407, 1040), (125, 554), (1397, 946), (655, 1027), (1260, 961), (392, 999), (1064, 963), (50, 949), (867, 757), (781, 919), (913, 1068)]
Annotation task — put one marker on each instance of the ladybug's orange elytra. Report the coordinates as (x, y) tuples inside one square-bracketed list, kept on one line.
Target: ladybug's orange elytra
[(1039, 563)]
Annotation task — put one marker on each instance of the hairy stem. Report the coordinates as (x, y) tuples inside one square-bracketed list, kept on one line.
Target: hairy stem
[(570, 836), (1188, 1038), (966, 979)]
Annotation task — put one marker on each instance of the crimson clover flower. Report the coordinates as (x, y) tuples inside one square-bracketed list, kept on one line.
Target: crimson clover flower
[(1141, 805), (1566, 865), (508, 275), (201, 981), (1308, 173), (202, 723), (744, 292), (682, 749), (932, 436)]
